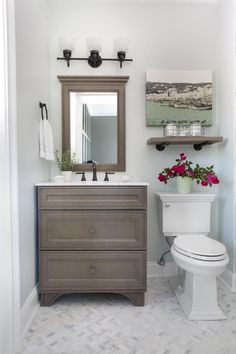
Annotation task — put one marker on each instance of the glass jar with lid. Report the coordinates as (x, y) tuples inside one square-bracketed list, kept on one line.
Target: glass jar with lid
[(170, 128), (183, 127), (196, 128)]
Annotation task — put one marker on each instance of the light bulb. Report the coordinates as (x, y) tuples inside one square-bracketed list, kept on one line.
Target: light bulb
[(121, 45), (66, 43), (94, 43)]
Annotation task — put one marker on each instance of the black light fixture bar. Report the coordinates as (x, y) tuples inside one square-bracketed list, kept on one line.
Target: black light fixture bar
[(121, 61), (95, 65)]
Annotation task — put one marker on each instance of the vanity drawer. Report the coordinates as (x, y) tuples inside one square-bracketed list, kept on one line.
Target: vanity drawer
[(92, 230), (92, 271), (113, 197)]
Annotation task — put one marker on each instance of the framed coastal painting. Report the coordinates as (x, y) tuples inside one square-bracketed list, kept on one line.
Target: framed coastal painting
[(178, 95)]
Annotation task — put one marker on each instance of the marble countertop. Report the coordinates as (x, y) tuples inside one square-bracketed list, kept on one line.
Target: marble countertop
[(90, 184)]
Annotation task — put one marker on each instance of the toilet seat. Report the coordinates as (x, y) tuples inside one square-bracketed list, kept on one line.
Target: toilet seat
[(200, 247)]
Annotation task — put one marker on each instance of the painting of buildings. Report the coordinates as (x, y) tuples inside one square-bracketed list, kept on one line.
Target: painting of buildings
[(178, 95)]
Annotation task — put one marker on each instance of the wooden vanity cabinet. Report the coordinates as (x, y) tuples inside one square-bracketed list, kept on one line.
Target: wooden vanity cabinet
[(92, 239)]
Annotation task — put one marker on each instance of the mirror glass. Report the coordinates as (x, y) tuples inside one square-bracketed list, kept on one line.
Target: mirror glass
[(93, 126), (93, 120)]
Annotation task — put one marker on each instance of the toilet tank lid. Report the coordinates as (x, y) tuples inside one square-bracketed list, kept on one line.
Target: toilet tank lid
[(186, 197), (200, 245)]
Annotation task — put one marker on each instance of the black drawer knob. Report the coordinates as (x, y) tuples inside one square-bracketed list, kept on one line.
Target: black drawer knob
[(91, 230), (92, 269)]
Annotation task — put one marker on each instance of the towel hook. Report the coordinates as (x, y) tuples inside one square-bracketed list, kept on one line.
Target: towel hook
[(43, 106)]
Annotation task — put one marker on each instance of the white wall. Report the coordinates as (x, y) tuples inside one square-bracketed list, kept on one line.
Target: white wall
[(163, 36), (32, 87), (9, 260), (227, 111)]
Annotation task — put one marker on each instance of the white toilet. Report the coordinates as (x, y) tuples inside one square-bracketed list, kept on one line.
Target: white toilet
[(188, 217)]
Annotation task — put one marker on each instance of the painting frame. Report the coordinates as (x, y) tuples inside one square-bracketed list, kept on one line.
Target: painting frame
[(178, 95)]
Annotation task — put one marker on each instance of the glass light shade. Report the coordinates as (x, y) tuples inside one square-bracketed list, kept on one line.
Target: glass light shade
[(94, 43), (66, 43), (121, 45)]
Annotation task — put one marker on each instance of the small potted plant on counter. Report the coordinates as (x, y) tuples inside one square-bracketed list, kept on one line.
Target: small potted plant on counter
[(185, 173), (66, 162)]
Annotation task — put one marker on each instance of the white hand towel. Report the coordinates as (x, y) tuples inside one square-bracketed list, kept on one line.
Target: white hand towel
[(48, 141), (41, 139)]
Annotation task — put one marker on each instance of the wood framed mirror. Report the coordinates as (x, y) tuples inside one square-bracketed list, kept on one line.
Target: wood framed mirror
[(93, 120)]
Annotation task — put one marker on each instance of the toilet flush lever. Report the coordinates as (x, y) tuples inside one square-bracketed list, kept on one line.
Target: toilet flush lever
[(167, 205)]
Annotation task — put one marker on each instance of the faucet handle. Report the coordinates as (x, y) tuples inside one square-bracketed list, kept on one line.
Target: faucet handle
[(83, 176), (106, 178)]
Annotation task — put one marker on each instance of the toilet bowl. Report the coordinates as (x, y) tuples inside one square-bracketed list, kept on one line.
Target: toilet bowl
[(198, 295), (200, 257)]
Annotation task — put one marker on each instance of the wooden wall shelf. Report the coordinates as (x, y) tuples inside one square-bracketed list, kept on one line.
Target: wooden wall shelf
[(197, 141)]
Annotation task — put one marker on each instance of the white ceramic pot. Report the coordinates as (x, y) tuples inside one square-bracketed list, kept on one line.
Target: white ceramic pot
[(67, 175), (58, 179), (184, 184)]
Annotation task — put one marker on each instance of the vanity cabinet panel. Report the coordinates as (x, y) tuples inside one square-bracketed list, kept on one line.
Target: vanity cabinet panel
[(91, 270), (92, 197), (92, 239), (92, 230)]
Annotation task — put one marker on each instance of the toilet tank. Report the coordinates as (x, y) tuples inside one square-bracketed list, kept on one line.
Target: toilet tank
[(181, 214)]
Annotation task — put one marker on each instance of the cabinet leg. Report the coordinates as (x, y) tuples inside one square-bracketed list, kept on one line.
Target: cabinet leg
[(48, 299), (136, 298)]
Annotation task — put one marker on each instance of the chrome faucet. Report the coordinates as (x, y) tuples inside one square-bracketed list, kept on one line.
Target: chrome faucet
[(94, 167)]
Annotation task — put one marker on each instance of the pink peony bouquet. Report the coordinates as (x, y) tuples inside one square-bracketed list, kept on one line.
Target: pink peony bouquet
[(204, 175)]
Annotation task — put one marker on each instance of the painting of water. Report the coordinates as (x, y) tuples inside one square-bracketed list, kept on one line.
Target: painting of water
[(178, 95)]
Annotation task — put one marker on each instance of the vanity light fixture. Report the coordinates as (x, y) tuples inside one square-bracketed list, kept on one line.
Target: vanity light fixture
[(67, 45)]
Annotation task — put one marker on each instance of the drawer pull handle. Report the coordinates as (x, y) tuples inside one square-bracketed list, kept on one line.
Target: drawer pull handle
[(92, 269), (91, 230)]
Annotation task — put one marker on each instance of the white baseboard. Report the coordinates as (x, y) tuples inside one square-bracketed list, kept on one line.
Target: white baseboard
[(229, 279), (170, 269), (28, 311)]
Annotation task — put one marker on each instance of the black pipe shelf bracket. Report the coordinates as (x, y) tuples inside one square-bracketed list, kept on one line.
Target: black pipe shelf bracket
[(161, 147), (199, 147), (197, 141)]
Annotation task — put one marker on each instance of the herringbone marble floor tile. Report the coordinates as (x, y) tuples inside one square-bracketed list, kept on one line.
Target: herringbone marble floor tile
[(107, 324)]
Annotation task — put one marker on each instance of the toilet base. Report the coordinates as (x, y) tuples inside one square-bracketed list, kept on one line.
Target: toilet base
[(197, 296)]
